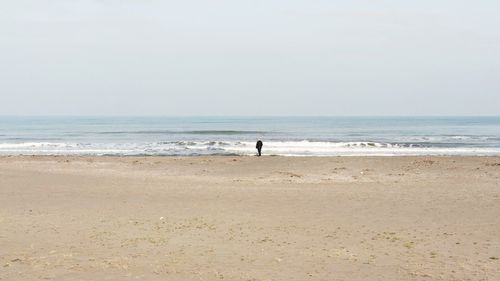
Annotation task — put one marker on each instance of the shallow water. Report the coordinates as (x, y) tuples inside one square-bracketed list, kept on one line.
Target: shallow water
[(291, 136)]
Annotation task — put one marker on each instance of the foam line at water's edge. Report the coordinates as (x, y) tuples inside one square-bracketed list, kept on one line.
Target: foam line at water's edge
[(282, 148)]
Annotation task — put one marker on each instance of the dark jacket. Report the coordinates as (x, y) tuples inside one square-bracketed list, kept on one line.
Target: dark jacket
[(259, 145)]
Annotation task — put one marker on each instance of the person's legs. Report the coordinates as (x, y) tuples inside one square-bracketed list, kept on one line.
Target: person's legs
[(259, 150)]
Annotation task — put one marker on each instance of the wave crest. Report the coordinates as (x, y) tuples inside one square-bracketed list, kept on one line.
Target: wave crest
[(284, 148)]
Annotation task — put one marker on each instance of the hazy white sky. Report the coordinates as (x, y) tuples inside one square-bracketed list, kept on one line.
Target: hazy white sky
[(259, 57)]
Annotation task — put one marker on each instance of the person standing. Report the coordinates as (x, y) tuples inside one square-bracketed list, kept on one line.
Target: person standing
[(259, 147)]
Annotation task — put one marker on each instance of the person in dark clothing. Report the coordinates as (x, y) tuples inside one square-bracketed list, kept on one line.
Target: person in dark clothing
[(259, 147)]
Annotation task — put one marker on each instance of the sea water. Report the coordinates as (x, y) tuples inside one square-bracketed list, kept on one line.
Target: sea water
[(288, 136)]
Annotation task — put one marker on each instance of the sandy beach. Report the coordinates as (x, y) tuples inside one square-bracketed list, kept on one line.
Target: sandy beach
[(249, 218)]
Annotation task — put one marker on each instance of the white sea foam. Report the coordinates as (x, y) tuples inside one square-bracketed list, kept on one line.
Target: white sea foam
[(285, 148), (32, 145)]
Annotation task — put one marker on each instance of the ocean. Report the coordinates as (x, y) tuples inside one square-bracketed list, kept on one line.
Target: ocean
[(287, 136)]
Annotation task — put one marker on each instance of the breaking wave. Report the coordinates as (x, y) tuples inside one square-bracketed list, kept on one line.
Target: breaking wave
[(192, 132), (283, 148)]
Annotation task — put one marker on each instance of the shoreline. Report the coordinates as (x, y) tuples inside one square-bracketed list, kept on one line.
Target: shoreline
[(241, 156)]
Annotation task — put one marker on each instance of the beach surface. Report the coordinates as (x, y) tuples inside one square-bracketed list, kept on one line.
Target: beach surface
[(249, 218)]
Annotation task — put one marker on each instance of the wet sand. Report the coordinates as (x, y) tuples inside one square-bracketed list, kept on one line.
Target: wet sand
[(249, 218)]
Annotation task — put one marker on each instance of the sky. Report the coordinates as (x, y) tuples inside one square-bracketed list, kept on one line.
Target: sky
[(259, 57)]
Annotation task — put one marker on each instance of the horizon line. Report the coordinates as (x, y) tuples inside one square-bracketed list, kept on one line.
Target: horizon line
[(233, 116)]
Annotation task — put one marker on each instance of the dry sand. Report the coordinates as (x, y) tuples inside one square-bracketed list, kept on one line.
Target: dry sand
[(249, 218)]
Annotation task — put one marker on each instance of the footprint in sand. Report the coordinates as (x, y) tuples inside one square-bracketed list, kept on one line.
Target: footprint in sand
[(292, 175)]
